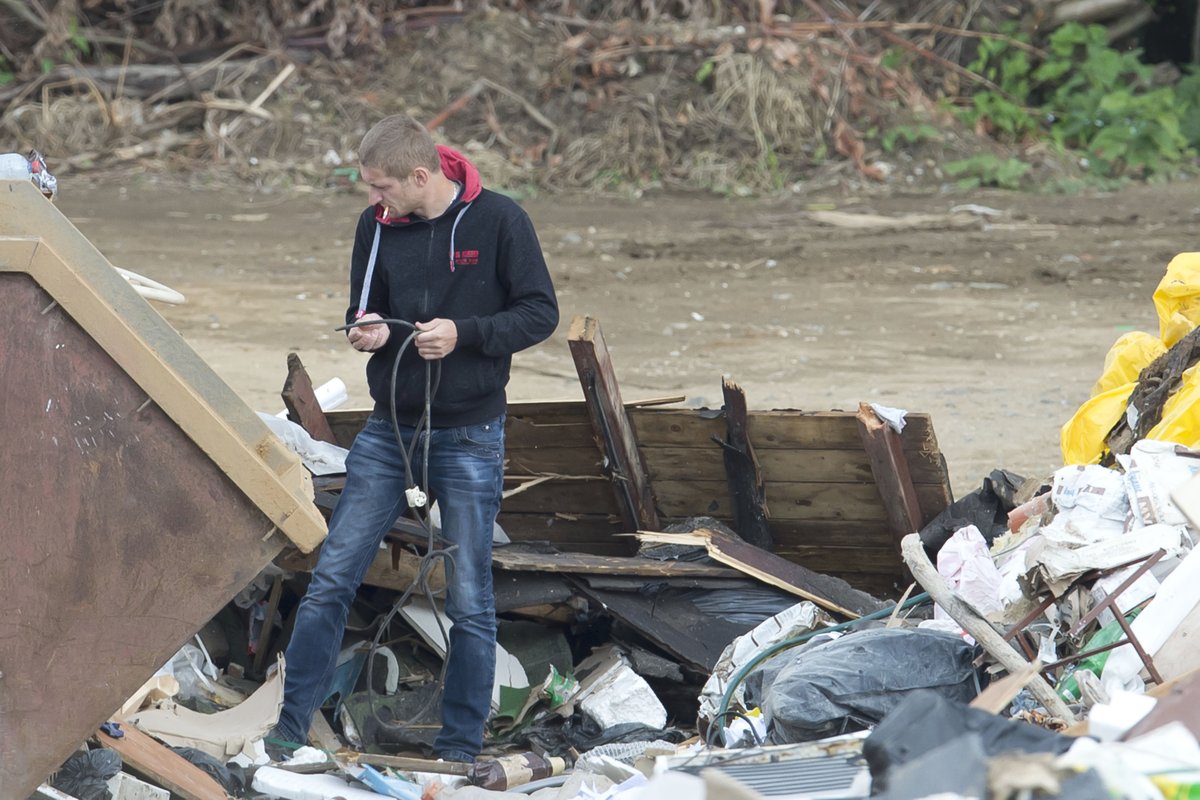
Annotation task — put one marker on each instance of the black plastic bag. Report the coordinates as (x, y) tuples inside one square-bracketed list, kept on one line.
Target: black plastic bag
[(851, 683), (232, 779), (85, 776), (986, 508), (926, 721)]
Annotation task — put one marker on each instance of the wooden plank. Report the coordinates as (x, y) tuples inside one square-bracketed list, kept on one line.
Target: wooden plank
[(777, 429), (674, 624), (705, 464), (890, 468), (301, 402), (160, 765), (824, 590), (844, 560), (383, 572), (570, 497), (750, 514), (613, 432), (581, 563), (789, 501)]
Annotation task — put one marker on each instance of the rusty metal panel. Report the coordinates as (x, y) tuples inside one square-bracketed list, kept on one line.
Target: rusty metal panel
[(119, 537)]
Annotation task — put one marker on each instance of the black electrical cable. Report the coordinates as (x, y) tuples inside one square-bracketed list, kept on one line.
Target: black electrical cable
[(434, 553)]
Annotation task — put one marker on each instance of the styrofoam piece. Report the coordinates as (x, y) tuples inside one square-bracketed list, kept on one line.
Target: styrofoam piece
[(611, 693), (1108, 721), (48, 792), (296, 786)]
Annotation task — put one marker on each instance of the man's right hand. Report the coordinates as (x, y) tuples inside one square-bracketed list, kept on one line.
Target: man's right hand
[(368, 337)]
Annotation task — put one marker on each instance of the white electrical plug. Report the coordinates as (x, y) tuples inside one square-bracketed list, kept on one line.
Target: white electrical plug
[(416, 497)]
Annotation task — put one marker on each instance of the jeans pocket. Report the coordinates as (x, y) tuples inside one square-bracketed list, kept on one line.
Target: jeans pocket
[(485, 440)]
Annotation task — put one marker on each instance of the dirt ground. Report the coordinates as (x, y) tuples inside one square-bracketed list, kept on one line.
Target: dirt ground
[(997, 325)]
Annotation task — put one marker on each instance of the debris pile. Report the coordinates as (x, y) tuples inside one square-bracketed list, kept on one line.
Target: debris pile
[(690, 599)]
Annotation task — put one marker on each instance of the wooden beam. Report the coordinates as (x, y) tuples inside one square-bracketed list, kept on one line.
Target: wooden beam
[(611, 427), (889, 465), (163, 766), (301, 402), (826, 591), (742, 470), (585, 564)]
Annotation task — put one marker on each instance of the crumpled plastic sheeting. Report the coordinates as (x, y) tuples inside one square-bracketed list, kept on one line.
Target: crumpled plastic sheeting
[(321, 458)]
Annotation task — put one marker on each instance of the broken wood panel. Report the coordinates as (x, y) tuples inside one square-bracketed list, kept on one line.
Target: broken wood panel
[(582, 563), (691, 463), (672, 623), (789, 501), (301, 402), (162, 766), (614, 434)]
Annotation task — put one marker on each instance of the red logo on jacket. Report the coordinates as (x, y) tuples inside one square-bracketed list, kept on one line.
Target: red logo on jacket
[(466, 258)]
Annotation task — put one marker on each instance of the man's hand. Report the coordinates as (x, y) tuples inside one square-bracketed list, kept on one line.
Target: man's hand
[(436, 339), (368, 337)]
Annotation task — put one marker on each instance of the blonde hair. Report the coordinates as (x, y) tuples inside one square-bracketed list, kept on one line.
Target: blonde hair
[(397, 145)]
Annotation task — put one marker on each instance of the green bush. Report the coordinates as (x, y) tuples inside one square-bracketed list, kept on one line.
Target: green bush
[(1094, 102)]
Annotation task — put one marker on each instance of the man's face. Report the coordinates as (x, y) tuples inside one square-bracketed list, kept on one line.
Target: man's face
[(399, 196)]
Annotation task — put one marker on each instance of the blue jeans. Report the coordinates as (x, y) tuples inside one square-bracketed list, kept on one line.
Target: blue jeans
[(466, 472)]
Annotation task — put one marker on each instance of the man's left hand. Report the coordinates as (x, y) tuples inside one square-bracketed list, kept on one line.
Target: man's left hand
[(436, 339)]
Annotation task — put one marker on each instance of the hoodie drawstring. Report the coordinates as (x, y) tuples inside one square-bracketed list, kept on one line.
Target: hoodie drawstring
[(364, 295), (366, 285), (454, 228)]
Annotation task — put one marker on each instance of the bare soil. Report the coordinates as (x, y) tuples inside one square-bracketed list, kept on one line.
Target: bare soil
[(997, 326)]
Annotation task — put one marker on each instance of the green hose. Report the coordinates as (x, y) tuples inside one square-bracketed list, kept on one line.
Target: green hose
[(786, 644)]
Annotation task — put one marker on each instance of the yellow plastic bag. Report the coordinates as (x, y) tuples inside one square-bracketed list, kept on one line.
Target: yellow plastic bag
[(1180, 421), (1128, 356), (1082, 438), (1177, 298)]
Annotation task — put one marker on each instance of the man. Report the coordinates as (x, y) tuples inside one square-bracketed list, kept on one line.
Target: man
[(463, 264)]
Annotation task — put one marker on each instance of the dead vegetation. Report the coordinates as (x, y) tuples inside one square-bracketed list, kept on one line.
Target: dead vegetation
[(736, 97)]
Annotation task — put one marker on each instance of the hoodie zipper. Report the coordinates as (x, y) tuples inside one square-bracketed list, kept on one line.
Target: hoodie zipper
[(428, 265)]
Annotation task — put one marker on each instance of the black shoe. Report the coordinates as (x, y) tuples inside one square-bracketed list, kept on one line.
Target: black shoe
[(279, 747)]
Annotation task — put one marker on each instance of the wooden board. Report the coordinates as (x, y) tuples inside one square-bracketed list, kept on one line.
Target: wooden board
[(705, 463), (615, 437), (583, 563), (890, 468), (162, 766), (828, 592)]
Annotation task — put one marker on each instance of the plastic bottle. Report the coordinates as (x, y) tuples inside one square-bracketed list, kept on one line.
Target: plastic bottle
[(516, 770)]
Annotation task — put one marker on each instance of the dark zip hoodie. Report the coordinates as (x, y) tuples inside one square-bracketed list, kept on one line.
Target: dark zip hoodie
[(478, 264)]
